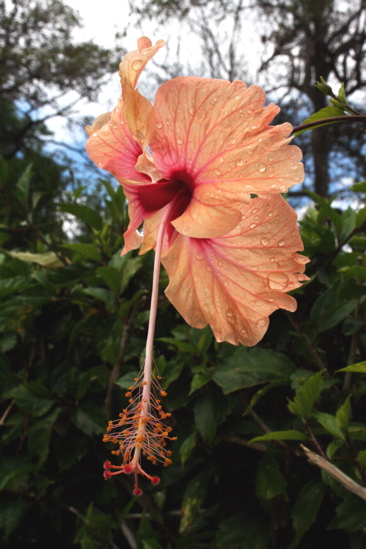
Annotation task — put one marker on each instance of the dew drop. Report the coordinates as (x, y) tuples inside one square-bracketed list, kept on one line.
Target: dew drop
[(100, 164), (213, 100), (240, 162), (282, 243), (217, 172), (249, 111), (226, 283), (265, 241), (261, 323), (180, 141), (159, 125), (270, 214), (168, 122), (282, 188), (262, 169), (199, 255), (137, 64), (229, 313), (279, 281), (252, 226), (254, 127), (191, 110)]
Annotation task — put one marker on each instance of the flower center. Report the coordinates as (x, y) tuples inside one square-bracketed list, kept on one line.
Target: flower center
[(155, 196)]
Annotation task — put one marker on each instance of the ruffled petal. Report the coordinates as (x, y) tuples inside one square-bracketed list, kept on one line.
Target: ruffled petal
[(113, 148), (135, 61), (219, 133), (139, 111), (234, 282)]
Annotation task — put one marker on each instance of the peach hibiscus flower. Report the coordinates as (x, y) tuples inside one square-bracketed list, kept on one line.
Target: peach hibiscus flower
[(203, 172), (192, 162)]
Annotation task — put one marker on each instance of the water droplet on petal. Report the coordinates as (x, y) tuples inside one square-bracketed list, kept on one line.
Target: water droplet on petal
[(159, 125), (180, 141), (213, 100), (229, 313), (262, 169), (282, 189), (252, 226), (282, 243), (137, 64), (261, 323), (240, 162), (265, 241), (270, 214), (191, 110)]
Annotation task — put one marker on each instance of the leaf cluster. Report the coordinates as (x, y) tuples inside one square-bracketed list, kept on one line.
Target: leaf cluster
[(73, 325)]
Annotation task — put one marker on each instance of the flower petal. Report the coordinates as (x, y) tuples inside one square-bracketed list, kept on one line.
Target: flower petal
[(236, 281), (218, 133), (139, 111), (135, 61), (113, 148)]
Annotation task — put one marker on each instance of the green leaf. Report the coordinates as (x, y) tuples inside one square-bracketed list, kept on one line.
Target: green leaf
[(22, 186), (361, 217), (343, 414), (351, 515), (89, 251), (342, 94), (193, 499), (205, 416), (112, 277), (101, 294), (330, 424), (187, 446), (327, 112), (290, 434), (269, 479), (359, 187), (11, 515), (89, 418), (45, 259), (34, 398), (39, 435), (243, 531), (358, 367), (251, 367), (356, 271), (89, 216), (307, 395), (306, 508)]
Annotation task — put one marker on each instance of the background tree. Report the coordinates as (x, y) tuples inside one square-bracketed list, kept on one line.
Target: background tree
[(44, 74)]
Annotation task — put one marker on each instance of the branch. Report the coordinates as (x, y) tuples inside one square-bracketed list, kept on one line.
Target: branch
[(336, 473)]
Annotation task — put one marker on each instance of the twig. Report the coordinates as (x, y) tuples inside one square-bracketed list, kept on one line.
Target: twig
[(126, 531), (265, 427), (6, 413), (334, 472)]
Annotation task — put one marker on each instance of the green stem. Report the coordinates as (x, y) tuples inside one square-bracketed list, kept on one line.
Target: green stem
[(330, 120)]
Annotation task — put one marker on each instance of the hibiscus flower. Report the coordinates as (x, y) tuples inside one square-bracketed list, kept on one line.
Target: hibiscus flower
[(192, 162), (203, 172)]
